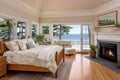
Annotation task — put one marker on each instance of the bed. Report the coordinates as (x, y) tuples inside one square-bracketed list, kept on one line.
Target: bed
[(58, 55)]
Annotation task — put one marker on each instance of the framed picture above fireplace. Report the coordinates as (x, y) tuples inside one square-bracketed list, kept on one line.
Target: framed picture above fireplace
[(107, 19)]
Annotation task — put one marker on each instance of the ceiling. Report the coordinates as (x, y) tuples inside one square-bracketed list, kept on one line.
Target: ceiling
[(36, 4), (64, 5)]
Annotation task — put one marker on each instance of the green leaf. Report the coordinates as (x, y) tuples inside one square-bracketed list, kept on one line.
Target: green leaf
[(93, 47)]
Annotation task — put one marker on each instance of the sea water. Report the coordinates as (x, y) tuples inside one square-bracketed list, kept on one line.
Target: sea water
[(75, 38)]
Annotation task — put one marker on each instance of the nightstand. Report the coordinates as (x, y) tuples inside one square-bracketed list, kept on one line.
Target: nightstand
[(2, 66)]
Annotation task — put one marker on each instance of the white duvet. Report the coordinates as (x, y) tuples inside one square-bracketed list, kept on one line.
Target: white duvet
[(43, 56)]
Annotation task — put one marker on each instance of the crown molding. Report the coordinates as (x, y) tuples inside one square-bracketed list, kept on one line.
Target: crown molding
[(12, 17), (66, 13), (22, 6), (26, 8), (105, 7)]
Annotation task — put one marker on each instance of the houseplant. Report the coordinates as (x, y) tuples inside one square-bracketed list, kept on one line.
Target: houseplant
[(93, 50), (39, 39), (117, 25)]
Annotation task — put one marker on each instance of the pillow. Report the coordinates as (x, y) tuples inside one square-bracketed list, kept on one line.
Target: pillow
[(31, 40), (24, 40), (12, 45), (22, 45), (30, 45)]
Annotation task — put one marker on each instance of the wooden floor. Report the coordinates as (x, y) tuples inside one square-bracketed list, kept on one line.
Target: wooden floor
[(84, 69)]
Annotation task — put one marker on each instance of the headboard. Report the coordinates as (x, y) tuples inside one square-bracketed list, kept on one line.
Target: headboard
[(3, 47)]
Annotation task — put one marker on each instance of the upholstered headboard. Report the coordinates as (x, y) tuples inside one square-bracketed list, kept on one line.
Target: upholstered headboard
[(3, 47)]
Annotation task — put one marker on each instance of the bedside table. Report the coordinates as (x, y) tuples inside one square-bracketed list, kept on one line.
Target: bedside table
[(2, 66)]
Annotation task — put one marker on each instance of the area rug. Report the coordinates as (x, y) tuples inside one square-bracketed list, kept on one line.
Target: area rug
[(104, 62), (63, 73)]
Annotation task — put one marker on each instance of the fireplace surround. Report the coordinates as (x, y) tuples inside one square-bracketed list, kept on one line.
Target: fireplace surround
[(109, 50)]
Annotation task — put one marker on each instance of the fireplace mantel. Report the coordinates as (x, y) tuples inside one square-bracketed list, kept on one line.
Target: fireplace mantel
[(107, 33), (107, 36), (106, 40)]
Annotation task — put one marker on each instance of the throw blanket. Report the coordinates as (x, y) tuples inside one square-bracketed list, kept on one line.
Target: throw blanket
[(48, 52), (43, 56)]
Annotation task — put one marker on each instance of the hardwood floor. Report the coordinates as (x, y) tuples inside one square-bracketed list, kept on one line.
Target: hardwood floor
[(84, 69)]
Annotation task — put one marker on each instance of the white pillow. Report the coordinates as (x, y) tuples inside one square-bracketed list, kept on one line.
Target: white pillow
[(12, 45), (24, 40), (22, 44)]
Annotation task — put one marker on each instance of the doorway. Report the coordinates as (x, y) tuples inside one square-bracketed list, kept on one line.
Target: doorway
[(79, 35)]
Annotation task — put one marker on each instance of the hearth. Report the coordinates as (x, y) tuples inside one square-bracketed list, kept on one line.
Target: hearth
[(108, 51)]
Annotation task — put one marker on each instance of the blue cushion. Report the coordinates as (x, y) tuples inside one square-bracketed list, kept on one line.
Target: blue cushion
[(30, 45)]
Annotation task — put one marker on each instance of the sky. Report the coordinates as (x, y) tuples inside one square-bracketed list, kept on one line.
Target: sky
[(75, 29), (1, 19)]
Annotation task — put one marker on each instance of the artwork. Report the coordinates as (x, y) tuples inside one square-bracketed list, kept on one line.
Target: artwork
[(108, 19)]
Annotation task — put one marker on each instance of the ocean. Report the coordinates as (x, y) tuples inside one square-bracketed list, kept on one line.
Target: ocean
[(75, 38)]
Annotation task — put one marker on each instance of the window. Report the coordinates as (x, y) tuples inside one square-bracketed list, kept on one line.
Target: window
[(6, 28), (61, 31), (78, 34), (85, 37), (45, 29), (21, 30), (34, 30)]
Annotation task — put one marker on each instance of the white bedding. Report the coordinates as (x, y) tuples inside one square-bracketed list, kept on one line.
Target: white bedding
[(43, 56)]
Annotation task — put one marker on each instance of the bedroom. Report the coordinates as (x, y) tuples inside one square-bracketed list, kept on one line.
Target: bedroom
[(45, 12)]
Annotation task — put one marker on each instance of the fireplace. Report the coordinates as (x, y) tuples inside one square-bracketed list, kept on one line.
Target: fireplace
[(108, 51)]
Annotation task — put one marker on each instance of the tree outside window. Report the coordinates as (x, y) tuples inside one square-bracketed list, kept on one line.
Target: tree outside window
[(6, 28), (45, 29), (34, 30), (21, 30), (59, 30)]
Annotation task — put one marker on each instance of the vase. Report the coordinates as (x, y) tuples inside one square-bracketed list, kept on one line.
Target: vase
[(93, 54)]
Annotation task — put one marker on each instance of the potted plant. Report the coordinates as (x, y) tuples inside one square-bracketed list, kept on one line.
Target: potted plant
[(39, 39), (93, 50), (118, 26)]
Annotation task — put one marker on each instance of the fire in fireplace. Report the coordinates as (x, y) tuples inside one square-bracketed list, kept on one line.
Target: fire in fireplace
[(108, 51)]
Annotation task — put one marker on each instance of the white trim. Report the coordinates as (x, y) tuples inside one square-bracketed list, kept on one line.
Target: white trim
[(12, 17), (66, 13), (67, 23), (109, 33), (22, 6)]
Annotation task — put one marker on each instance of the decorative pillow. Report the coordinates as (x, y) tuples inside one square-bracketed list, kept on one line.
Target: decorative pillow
[(22, 45), (24, 40), (30, 45), (31, 40), (12, 45)]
